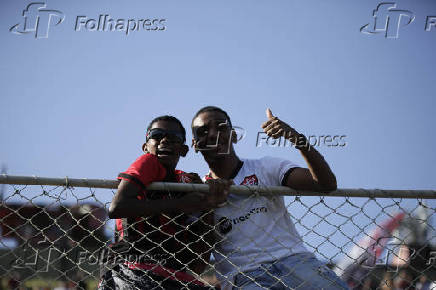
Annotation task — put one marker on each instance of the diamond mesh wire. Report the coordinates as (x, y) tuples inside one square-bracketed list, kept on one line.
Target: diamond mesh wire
[(56, 236)]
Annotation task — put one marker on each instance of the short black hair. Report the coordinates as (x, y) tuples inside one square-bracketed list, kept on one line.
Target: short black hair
[(169, 119), (211, 109)]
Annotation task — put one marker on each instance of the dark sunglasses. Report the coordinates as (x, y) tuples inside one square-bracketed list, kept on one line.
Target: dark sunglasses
[(202, 131), (158, 134)]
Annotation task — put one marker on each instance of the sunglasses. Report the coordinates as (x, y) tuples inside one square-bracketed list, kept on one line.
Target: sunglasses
[(202, 131), (172, 136)]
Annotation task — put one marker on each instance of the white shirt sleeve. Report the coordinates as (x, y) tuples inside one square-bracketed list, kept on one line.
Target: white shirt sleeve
[(274, 169)]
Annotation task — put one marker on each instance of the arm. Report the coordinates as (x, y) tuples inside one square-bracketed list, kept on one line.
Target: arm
[(145, 170), (318, 176), (125, 203)]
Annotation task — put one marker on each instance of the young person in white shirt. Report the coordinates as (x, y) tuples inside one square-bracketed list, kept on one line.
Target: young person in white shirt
[(259, 246)]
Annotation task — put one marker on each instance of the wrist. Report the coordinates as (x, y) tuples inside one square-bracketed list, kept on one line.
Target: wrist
[(300, 142)]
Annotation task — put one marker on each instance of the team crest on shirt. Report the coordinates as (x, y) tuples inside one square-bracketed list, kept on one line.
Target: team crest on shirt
[(183, 178), (250, 180)]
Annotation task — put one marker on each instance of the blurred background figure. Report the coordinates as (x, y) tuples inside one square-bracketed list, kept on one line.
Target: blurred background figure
[(386, 283), (425, 284)]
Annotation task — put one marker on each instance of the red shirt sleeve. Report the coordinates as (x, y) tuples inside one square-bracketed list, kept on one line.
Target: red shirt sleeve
[(145, 169)]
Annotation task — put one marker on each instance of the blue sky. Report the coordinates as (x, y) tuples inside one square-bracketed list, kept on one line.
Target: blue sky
[(77, 103)]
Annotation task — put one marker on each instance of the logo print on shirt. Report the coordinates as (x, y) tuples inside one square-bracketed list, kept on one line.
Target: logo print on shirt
[(225, 225), (250, 180)]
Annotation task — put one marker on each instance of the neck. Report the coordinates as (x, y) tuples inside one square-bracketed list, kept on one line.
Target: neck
[(170, 174), (223, 167)]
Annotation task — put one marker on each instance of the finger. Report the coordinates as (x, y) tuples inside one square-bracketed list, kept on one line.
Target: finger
[(265, 124), (223, 190), (273, 124), (274, 130), (269, 114), (193, 174), (223, 196), (195, 178), (278, 134), (218, 187), (271, 135), (226, 186), (212, 186)]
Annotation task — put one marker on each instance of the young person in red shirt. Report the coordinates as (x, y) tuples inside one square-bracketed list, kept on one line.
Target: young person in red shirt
[(160, 239)]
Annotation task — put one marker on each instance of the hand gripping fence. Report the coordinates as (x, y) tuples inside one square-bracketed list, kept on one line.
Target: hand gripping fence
[(55, 232)]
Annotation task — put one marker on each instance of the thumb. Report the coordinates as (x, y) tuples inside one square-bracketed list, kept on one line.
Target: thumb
[(269, 114)]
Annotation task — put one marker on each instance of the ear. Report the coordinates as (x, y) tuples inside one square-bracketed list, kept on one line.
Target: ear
[(194, 144), (184, 150), (144, 147), (234, 136)]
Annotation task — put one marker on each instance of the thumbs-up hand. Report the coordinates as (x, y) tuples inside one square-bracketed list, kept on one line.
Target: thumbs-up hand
[(275, 128), (269, 114)]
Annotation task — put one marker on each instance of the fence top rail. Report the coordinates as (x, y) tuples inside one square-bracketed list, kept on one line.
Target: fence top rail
[(236, 189)]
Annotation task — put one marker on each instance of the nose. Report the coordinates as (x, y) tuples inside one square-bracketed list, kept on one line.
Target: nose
[(164, 140), (212, 136)]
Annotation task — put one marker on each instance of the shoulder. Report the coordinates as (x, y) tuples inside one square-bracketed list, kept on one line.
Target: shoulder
[(268, 161), (148, 156), (147, 160), (272, 169)]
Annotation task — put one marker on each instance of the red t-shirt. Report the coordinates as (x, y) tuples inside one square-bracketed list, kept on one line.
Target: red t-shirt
[(157, 235), (144, 171)]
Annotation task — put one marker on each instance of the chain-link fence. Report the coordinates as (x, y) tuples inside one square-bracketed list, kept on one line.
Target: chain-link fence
[(56, 233)]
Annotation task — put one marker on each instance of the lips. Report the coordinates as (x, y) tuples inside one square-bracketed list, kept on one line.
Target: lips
[(216, 149), (164, 152)]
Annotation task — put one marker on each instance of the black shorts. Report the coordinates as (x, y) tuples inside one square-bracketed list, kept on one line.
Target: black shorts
[(121, 277)]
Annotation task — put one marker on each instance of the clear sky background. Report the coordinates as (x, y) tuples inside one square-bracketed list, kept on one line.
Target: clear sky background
[(77, 103)]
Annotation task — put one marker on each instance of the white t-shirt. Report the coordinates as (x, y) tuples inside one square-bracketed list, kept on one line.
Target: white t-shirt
[(255, 229)]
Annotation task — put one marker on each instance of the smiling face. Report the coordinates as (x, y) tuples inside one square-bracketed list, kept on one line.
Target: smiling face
[(165, 140), (213, 135)]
